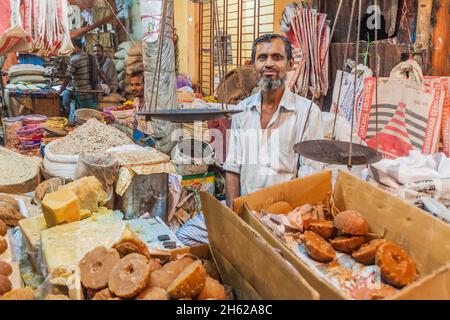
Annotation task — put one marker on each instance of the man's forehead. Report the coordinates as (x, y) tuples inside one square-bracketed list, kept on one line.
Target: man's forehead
[(274, 46)]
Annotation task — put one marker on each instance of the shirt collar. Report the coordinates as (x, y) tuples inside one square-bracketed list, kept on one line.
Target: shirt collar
[(287, 101)]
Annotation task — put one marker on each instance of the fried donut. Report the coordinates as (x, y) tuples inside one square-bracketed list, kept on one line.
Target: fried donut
[(323, 228), (351, 222), (347, 244), (318, 248), (366, 253), (96, 266)]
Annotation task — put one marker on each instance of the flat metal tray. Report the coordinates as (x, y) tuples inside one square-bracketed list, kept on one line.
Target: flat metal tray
[(336, 152), (189, 115)]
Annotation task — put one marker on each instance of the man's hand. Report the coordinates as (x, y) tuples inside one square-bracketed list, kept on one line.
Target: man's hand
[(232, 187)]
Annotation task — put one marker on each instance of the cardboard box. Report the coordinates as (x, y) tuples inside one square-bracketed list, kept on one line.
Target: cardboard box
[(246, 261), (424, 237)]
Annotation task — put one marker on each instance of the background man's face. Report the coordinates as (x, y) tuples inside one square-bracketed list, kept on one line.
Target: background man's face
[(137, 83), (98, 52), (271, 64)]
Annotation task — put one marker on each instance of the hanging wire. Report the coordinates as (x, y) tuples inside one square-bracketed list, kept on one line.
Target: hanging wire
[(377, 22), (120, 23), (338, 12), (343, 68), (162, 35), (358, 33), (157, 70)]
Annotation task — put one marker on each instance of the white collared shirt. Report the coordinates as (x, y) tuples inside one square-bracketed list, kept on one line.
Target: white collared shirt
[(264, 157)]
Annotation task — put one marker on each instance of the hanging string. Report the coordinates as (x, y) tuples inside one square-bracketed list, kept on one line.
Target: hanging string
[(121, 24), (160, 49), (343, 68), (358, 33), (338, 12)]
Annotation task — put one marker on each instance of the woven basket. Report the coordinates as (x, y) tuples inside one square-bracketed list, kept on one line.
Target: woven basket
[(83, 115)]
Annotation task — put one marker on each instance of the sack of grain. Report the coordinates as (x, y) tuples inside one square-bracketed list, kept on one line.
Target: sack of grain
[(121, 76), (125, 46), (120, 65), (25, 69), (113, 98), (135, 49), (133, 59), (120, 55), (135, 66), (28, 78)]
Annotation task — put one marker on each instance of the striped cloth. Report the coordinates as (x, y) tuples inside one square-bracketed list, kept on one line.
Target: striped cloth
[(193, 232), (79, 72)]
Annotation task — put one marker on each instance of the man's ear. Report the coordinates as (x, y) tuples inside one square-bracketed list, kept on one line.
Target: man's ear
[(291, 64)]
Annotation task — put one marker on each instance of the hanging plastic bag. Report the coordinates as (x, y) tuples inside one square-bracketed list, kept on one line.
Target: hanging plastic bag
[(104, 167)]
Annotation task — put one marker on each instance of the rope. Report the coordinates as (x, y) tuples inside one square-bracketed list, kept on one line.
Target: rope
[(358, 33), (343, 67)]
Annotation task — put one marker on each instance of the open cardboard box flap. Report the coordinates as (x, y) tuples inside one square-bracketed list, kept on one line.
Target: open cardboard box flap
[(246, 261), (423, 236)]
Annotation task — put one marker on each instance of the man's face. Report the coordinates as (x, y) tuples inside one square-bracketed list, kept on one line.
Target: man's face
[(98, 52), (137, 83), (271, 64)]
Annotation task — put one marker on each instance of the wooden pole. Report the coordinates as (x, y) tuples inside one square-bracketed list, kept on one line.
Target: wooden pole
[(440, 60)]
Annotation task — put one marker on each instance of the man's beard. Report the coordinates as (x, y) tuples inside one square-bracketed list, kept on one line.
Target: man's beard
[(269, 84)]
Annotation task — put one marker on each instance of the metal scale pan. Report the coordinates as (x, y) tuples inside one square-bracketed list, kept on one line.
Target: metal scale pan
[(336, 152), (188, 115)]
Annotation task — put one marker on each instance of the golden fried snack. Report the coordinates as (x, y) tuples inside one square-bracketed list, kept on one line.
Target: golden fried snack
[(131, 245), (96, 266), (10, 216), (351, 222), (10, 202), (396, 266), (189, 283), (5, 285), (323, 228), (280, 207), (347, 244), (154, 264), (129, 276), (5, 269), (3, 245), (3, 229), (212, 290), (177, 266), (318, 248), (153, 293), (104, 294), (26, 293), (366, 253), (161, 279)]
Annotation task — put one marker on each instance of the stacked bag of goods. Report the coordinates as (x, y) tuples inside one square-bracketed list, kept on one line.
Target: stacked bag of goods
[(26, 74), (119, 58), (133, 62), (93, 137), (111, 100), (31, 134)]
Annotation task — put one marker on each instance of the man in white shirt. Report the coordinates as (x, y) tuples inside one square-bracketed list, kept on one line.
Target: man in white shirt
[(262, 138)]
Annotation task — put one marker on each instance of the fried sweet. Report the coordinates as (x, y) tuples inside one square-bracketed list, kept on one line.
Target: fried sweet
[(189, 283), (10, 216), (10, 202), (323, 228), (347, 244), (177, 266), (26, 293), (318, 248), (154, 265), (131, 245), (161, 279), (396, 266), (5, 285), (5, 269), (57, 297), (3, 229), (280, 207), (104, 294), (366, 253), (351, 222), (129, 276), (153, 293), (212, 290), (3, 245), (96, 266)]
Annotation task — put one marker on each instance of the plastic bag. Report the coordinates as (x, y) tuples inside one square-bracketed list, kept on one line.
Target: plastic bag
[(104, 167)]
